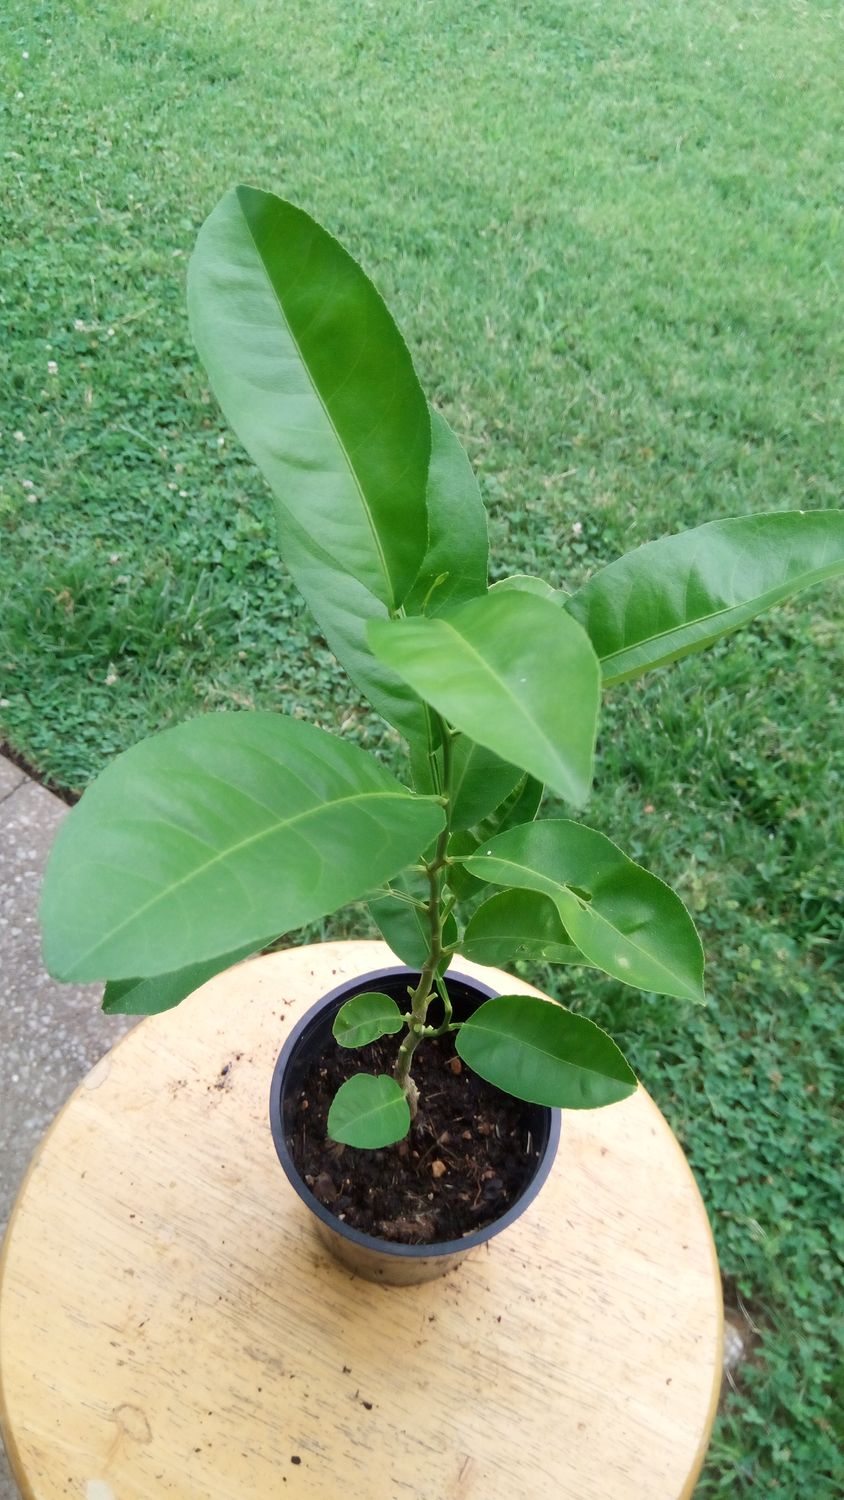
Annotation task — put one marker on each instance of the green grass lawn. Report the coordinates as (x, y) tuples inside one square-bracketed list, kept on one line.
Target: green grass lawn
[(611, 236)]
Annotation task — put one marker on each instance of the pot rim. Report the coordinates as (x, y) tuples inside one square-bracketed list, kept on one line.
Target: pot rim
[(339, 1226)]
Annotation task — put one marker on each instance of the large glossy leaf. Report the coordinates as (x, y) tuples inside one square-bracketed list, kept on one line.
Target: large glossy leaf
[(343, 608), (318, 384), (365, 1018), (514, 673), (457, 548), (230, 296), (677, 595), (404, 926), (149, 997), (625, 920), (518, 924), (206, 837), (456, 563), (369, 1111), (538, 1051)]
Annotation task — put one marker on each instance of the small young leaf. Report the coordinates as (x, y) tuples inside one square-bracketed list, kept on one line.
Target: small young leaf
[(539, 1052), (369, 1111), (366, 1017)]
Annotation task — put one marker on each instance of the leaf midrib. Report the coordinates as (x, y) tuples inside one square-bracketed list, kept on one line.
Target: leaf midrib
[(234, 849), (381, 1107), (757, 602), (328, 417), (514, 699), (544, 1052), (513, 864)]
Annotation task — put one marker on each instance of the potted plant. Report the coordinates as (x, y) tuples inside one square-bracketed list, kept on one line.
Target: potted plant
[(202, 844)]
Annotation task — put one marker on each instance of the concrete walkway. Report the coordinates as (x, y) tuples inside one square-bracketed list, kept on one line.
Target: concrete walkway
[(50, 1034)]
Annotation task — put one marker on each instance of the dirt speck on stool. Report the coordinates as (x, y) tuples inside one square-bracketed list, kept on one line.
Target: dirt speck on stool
[(224, 1077)]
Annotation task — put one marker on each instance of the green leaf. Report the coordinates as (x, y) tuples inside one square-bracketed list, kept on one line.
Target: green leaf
[(277, 395), (463, 885), (366, 1017), (369, 1111), (423, 760), (206, 837), (149, 997), (457, 561), (480, 781), (518, 924), (457, 547), (539, 1052), (404, 926), (342, 608), (316, 381), (521, 806), (527, 584), (514, 673), (677, 595), (623, 919)]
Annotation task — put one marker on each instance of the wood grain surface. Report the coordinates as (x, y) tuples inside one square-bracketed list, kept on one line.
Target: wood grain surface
[(170, 1325)]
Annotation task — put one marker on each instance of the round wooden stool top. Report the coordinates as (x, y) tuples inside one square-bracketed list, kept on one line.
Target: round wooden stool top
[(170, 1326)]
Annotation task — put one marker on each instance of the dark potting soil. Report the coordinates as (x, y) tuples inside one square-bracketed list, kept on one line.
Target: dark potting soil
[(469, 1155)]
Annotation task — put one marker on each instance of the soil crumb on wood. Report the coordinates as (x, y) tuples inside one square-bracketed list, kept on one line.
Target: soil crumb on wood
[(469, 1154)]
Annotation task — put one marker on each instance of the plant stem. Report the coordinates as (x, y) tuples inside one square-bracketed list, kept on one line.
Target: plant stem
[(420, 998), (447, 1023)]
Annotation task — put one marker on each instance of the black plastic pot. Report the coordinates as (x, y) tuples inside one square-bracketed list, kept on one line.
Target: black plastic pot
[(365, 1254)]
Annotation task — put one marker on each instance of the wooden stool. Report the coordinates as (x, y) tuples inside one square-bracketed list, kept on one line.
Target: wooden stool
[(170, 1325)]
